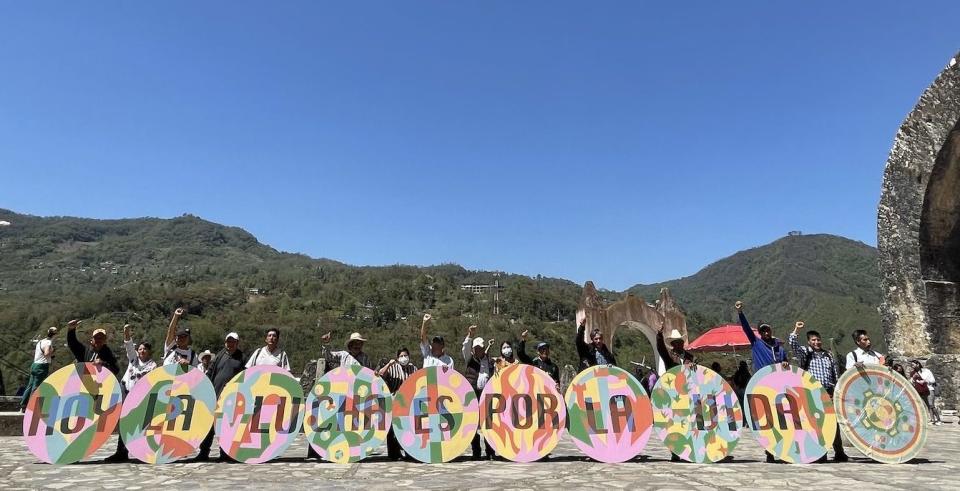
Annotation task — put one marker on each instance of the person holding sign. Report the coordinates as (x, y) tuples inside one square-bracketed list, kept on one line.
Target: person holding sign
[(139, 360), (271, 354), (478, 370), (675, 355), (542, 361), (434, 353), (354, 354), (177, 344), (863, 354), (227, 364), (99, 353), (821, 365), (766, 350), (394, 373), (595, 353), (42, 356)]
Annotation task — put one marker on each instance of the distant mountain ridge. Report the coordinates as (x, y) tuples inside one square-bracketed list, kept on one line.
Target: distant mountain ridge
[(111, 272), (829, 282)]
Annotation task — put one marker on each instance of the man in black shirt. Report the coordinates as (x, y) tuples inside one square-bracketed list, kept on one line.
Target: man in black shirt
[(96, 352), (227, 364), (595, 353), (542, 361)]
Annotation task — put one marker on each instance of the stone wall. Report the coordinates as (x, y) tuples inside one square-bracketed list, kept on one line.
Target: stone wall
[(918, 235)]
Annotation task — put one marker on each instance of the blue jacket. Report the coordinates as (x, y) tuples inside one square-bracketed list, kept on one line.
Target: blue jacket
[(763, 353)]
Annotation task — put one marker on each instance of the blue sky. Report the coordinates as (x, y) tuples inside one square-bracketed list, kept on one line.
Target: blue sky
[(622, 142)]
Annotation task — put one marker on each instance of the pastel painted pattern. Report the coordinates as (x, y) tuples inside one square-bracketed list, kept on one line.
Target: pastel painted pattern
[(610, 417), (253, 434), (435, 414), (881, 414), (156, 437), (348, 414), (80, 405), (526, 413), (696, 414), (790, 413)]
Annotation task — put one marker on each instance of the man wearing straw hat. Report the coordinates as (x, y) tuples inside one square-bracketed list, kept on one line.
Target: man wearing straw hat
[(675, 354), (353, 355)]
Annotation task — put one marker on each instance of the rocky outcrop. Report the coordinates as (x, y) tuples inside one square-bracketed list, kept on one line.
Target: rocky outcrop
[(918, 234)]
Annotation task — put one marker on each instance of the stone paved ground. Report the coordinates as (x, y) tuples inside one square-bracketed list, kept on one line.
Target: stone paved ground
[(937, 468)]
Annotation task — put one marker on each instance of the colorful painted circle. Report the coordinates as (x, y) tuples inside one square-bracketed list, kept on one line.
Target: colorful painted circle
[(522, 414), (259, 414), (72, 413), (349, 412), (610, 416), (790, 413), (167, 414), (881, 414), (696, 414), (435, 414)]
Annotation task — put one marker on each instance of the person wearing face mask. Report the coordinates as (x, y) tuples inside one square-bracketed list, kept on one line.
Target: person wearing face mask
[(478, 370), (595, 353), (506, 358), (394, 373), (354, 354)]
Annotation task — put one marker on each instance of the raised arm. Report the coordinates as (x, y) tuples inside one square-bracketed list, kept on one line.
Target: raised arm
[(423, 328), (744, 324), (172, 329), (522, 348), (468, 343), (79, 352), (662, 346), (798, 350), (128, 342), (582, 348)]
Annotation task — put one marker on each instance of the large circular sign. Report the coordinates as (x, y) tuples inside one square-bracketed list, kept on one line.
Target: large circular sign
[(790, 413), (435, 414), (881, 414), (72, 413), (609, 414), (259, 414), (348, 414), (696, 414), (522, 414), (167, 414)]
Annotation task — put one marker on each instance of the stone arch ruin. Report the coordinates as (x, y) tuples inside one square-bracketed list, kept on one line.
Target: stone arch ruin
[(918, 234), (633, 313)]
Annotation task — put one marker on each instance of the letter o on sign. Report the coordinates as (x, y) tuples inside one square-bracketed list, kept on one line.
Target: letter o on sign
[(435, 414), (167, 414), (522, 415), (72, 413)]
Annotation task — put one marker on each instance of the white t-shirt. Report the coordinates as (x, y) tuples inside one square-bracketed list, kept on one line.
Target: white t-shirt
[(173, 353), (263, 356), (432, 361), (38, 356), (860, 356), (928, 377), (136, 369)]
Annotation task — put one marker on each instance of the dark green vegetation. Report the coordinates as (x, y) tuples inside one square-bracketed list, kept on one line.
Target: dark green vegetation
[(111, 272)]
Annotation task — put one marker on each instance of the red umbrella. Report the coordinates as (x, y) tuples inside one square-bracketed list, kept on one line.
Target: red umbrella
[(721, 338)]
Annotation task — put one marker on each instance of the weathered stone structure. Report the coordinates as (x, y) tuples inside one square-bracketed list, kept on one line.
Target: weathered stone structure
[(631, 312), (918, 235)]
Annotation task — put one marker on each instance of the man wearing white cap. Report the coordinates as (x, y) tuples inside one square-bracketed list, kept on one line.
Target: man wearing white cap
[(477, 372), (354, 354), (227, 364)]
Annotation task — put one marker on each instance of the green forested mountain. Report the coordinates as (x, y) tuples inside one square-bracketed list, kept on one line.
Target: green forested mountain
[(829, 282), (111, 272)]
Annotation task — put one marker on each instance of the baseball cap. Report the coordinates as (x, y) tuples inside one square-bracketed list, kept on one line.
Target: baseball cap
[(542, 345), (99, 330), (232, 335), (477, 342), (438, 339), (183, 331)]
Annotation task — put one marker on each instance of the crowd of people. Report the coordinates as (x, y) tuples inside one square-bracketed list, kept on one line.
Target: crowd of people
[(479, 365)]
